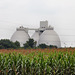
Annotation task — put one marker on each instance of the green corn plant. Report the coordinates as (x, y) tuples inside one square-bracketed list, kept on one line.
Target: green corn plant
[(54, 63)]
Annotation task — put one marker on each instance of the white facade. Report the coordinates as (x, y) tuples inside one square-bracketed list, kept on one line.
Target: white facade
[(36, 36), (43, 35), (43, 24), (49, 37), (46, 35), (21, 36)]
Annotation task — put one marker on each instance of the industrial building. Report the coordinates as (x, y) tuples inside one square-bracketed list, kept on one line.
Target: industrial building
[(43, 35)]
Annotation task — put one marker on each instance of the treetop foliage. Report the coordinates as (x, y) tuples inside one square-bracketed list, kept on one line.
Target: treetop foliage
[(30, 44), (5, 43)]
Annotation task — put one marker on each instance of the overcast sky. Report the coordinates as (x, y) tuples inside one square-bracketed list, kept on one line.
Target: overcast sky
[(59, 13)]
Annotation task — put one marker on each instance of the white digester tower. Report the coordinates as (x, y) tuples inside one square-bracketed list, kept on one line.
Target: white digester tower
[(43, 35), (46, 35), (21, 35)]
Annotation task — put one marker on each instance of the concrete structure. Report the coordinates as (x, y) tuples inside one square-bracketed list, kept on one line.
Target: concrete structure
[(45, 34), (43, 24), (36, 36), (20, 35), (49, 37)]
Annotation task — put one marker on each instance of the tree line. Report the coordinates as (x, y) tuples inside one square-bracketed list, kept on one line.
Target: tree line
[(6, 44)]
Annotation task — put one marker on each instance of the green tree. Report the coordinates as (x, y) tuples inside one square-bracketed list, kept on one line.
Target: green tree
[(43, 46), (26, 45), (6, 43), (30, 44), (17, 44), (1, 47), (52, 46)]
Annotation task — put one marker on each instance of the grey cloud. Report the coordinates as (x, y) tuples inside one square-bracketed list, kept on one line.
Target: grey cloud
[(59, 13)]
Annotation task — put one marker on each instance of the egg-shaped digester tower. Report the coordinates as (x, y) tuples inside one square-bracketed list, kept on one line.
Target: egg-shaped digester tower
[(50, 37), (21, 35), (35, 36)]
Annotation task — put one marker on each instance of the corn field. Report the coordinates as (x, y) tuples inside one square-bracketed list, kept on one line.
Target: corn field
[(38, 63)]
